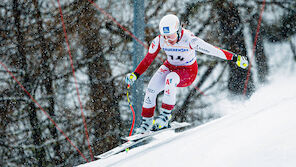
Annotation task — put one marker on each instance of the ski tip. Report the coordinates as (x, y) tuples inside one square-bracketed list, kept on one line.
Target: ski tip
[(180, 123), (106, 154), (124, 138)]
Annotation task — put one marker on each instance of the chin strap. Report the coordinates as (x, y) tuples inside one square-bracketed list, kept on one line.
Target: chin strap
[(179, 33)]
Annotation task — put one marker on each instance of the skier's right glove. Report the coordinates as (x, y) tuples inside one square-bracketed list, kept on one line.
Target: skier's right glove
[(131, 78)]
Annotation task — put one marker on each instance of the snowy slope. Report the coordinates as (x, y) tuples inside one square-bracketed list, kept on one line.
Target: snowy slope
[(261, 132)]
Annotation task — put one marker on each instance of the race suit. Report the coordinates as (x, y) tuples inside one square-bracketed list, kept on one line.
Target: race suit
[(179, 70)]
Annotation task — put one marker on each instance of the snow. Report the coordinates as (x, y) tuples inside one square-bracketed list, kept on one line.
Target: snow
[(259, 132)]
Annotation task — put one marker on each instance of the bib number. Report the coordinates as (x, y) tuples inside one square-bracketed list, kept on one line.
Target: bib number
[(180, 58)]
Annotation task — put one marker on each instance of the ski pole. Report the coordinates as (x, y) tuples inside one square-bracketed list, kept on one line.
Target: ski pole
[(133, 111)]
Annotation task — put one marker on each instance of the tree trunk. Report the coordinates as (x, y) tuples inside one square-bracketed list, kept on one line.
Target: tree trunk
[(233, 38), (260, 57), (36, 134), (27, 82), (47, 82), (20, 62), (103, 100)]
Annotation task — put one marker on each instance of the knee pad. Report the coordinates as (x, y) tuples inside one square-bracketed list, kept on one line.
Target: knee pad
[(172, 80)]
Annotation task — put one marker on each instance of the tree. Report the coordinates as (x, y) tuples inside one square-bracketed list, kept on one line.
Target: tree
[(29, 85), (104, 117), (231, 29)]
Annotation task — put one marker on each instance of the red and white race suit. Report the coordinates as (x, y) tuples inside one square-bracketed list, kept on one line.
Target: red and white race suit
[(179, 70)]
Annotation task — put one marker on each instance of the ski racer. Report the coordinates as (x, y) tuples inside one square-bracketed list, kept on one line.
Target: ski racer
[(179, 70)]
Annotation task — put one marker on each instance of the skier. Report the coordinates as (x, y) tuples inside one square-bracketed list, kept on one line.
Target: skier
[(179, 70)]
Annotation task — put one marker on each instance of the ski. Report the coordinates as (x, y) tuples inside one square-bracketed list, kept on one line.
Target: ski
[(120, 148), (173, 126), (136, 139)]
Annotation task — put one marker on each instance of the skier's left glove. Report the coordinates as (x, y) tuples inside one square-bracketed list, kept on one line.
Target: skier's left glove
[(131, 78), (241, 61)]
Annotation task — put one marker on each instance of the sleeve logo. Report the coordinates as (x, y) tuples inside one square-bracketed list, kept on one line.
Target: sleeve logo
[(153, 47)]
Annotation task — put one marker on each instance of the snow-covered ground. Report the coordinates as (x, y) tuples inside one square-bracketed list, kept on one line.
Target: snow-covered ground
[(260, 132)]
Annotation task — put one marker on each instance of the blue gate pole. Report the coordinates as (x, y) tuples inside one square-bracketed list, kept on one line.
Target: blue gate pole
[(138, 55)]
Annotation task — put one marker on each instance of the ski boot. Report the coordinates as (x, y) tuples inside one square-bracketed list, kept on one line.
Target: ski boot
[(162, 121), (145, 126)]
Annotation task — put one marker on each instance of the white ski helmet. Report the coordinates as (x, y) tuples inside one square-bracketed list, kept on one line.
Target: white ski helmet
[(169, 24)]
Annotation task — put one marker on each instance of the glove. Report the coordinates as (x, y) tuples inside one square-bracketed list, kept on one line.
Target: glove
[(241, 61), (131, 78)]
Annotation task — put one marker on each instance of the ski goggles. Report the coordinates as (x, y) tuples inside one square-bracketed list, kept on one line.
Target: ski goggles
[(171, 37)]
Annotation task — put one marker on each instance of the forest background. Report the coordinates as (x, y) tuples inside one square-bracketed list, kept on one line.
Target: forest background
[(34, 50)]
